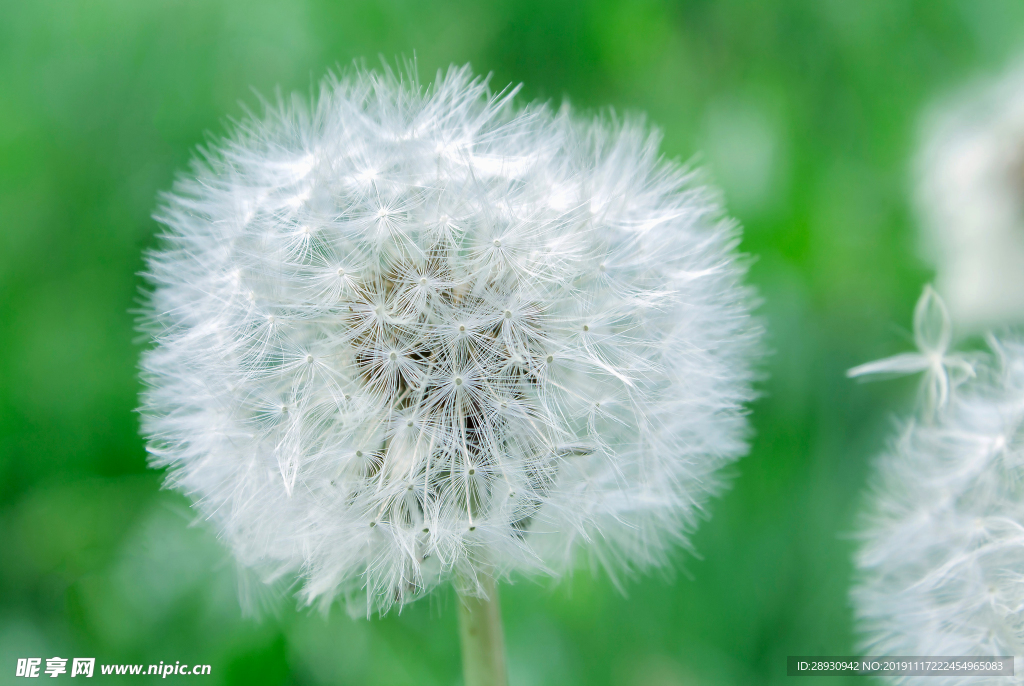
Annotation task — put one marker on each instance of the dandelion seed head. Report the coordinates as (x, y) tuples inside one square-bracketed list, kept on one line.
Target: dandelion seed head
[(942, 553), (436, 400), (970, 199)]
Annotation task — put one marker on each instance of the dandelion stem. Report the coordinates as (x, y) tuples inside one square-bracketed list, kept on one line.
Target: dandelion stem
[(483, 640)]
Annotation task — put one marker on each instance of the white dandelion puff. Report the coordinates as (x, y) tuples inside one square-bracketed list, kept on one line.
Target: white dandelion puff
[(970, 200), (941, 567), (408, 334)]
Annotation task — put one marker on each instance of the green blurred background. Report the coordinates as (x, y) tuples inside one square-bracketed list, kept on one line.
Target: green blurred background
[(805, 112)]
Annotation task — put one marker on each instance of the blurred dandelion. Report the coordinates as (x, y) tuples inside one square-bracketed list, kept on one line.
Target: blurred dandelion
[(409, 335), (941, 565), (970, 199)]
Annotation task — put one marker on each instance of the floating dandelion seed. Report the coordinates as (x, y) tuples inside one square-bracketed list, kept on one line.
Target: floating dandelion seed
[(933, 334), (415, 334)]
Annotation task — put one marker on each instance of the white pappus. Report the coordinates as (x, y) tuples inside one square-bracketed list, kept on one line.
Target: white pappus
[(970, 199), (408, 334), (941, 564)]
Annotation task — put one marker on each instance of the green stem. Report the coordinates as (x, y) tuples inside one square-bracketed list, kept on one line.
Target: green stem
[(483, 641)]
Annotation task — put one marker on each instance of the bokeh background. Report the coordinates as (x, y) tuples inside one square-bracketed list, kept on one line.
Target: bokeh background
[(806, 113)]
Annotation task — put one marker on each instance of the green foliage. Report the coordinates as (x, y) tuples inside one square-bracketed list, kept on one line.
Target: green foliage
[(806, 113)]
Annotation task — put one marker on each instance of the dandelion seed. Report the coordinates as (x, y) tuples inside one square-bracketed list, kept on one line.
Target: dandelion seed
[(932, 334)]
